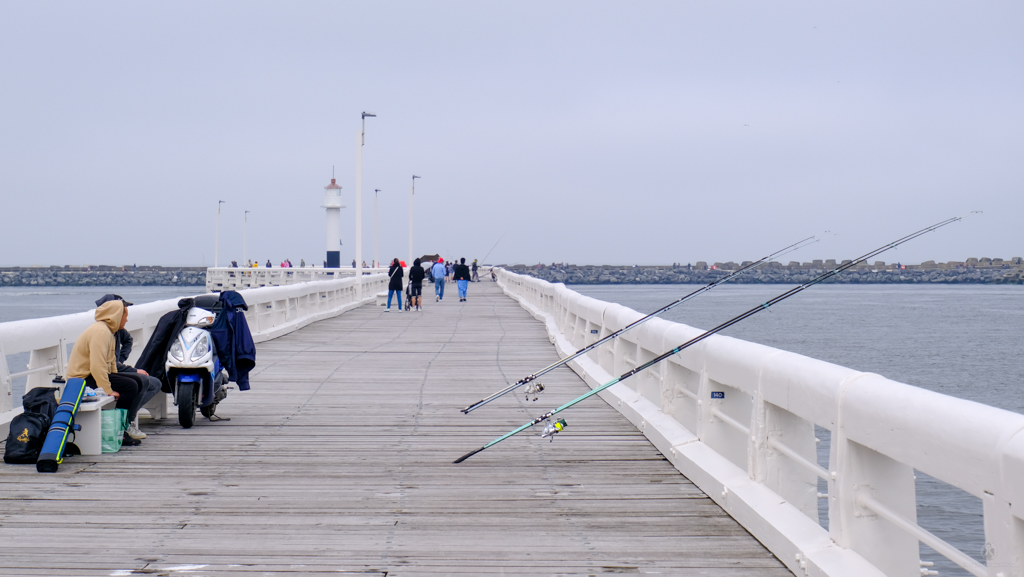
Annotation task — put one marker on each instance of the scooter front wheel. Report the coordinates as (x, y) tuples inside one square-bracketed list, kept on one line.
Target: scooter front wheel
[(186, 405)]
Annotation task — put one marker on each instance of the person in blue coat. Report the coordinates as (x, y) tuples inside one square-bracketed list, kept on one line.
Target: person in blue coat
[(439, 271)]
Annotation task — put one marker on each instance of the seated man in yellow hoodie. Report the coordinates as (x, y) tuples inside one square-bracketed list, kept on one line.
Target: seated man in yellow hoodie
[(92, 359)]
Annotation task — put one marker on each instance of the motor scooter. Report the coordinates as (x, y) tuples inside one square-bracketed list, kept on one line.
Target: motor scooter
[(193, 369)]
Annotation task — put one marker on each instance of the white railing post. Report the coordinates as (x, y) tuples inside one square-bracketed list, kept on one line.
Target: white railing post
[(784, 456), (42, 359), (6, 403), (861, 471)]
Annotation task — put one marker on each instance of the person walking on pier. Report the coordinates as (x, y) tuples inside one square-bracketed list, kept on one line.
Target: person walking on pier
[(476, 277), (438, 270), (416, 274), (460, 273), (395, 284)]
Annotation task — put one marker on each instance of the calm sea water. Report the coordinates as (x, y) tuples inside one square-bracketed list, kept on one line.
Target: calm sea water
[(963, 341)]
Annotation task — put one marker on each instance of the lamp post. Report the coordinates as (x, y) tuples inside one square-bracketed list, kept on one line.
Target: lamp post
[(245, 237), (359, 199), (412, 193), (216, 237), (376, 237)]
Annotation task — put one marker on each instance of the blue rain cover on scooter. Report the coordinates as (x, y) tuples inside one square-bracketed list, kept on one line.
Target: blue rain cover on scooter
[(52, 454)]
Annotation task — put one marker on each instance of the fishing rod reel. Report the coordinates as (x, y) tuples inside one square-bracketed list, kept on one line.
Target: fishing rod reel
[(534, 389), (553, 429)]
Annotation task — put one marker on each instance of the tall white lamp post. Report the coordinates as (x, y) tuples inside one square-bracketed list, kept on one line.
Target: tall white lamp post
[(412, 193), (359, 199), (376, 236), (216, 237)]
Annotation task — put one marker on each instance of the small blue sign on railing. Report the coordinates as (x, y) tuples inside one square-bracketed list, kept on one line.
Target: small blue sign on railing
[(717, 394), (593, 331)]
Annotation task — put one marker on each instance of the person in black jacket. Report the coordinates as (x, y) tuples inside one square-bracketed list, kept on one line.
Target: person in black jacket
[(461, 276), (416, 275), (395, 284)]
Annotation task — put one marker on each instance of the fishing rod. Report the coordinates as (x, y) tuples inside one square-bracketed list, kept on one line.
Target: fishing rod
[(483, 260), (539, 387), (556, 427)]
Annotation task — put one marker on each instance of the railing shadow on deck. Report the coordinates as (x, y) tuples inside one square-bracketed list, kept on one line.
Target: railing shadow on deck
[(752, 447)]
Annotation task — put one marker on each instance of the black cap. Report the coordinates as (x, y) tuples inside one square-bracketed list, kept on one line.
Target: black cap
[(112, 297)]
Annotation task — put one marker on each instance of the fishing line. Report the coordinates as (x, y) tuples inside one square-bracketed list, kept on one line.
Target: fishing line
[(769, 303), (538, 387)]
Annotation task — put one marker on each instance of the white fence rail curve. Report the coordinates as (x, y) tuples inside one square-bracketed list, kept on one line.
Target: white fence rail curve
[(273, 311), (751, 446)]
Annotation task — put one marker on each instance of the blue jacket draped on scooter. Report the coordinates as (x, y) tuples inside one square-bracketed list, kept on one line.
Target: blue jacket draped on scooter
[(232, 339)]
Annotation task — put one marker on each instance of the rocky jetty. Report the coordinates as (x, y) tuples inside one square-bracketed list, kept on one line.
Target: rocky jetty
[(103, 275), (974, 270)]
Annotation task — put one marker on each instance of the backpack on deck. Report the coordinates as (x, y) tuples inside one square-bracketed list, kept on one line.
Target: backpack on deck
[(42, 400), (28, 430)]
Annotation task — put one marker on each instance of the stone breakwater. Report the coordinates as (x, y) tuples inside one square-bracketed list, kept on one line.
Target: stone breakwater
[(778, 274), (103, 276)]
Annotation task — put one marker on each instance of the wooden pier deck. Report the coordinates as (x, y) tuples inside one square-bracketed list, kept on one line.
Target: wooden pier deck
[(340, 461)]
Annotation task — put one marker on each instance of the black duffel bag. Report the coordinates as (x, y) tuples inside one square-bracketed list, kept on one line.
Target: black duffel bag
[(28, 430)]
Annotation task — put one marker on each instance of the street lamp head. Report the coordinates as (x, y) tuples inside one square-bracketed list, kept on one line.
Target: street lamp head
[(414, 177), (370, 114)]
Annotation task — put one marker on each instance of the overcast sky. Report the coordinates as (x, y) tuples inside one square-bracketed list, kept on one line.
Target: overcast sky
[(585, 132)]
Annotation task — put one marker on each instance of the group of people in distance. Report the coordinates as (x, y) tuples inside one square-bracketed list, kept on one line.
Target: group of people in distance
[(460, 273)]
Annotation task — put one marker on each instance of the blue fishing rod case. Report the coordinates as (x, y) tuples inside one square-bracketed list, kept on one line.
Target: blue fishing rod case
[(63, 424)]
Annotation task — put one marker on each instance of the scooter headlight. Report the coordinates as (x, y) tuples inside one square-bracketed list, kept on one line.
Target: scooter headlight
[(202, 347), (176, 351)]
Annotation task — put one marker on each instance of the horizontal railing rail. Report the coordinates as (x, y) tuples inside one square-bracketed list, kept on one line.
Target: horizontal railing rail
[(227, 278), (738, 419), (273, 311)]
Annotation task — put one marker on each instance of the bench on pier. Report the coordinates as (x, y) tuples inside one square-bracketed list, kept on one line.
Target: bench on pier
[(88, 418)]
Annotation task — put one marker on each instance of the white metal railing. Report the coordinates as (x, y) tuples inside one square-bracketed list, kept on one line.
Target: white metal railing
[(751, 447), (273, 311), (224, 278)]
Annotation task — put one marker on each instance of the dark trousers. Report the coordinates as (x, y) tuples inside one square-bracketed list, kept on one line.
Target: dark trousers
[(130, 387)]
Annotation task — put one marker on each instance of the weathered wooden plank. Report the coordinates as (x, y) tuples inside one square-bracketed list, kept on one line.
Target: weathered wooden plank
[(339, 460)]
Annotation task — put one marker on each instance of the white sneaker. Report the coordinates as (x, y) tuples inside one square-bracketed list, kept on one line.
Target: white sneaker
[(134, 432)]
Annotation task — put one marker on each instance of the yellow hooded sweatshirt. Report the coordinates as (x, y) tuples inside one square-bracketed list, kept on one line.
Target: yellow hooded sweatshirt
[(93, 352)]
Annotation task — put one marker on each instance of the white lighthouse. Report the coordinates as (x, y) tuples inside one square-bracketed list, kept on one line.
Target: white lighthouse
[(332, 202)]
